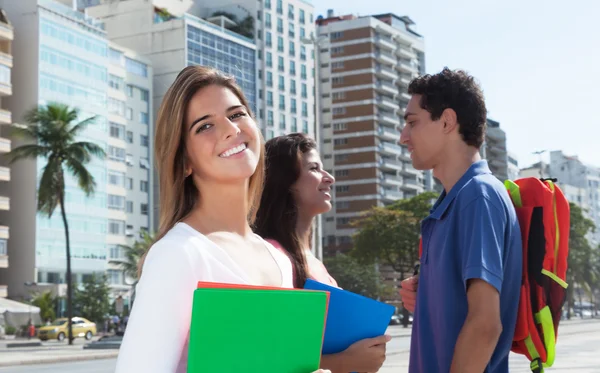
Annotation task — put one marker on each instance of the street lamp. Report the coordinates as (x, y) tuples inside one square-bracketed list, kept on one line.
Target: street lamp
[(317, 42)]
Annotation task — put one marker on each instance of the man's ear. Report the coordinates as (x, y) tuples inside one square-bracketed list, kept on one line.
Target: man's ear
[(448, 117)]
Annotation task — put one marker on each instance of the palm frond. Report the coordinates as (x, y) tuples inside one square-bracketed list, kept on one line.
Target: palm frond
[(29, 151), (79, 127), (27, 132), (87, 148), (51, 186), (83, 176)]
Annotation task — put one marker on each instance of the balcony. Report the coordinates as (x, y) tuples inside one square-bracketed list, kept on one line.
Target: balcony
[(390, 164), (410, 170), (6, 59), (385, 72), (411, 185), (405, 155), (404, 97), (5, 117), (403, 82), (385, 43), (405, 52), (4, 232), (388, 179), (385, 58), (3, 254), (407, 68), (388, 120), (388, 134), (390, 148), (4, 145), (387, 104), (4, 203), (391, 195), (5, 89), (386, 88), (4, 174), (6, 30)]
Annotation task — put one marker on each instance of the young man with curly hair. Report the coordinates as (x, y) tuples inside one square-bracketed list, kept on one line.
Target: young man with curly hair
[(466, 295)]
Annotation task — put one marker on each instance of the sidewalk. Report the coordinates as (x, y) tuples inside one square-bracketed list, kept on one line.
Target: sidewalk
[(49, 352)]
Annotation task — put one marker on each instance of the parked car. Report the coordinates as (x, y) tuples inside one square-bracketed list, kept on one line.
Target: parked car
[(82, 328)]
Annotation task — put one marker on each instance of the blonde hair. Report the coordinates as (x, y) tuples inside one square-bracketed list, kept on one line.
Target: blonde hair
[(177, 193)]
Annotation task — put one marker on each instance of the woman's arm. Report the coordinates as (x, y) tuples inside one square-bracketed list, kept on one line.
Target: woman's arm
[(157, 332)]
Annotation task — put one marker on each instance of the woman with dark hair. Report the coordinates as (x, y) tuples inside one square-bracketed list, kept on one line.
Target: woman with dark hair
[(296, 190)]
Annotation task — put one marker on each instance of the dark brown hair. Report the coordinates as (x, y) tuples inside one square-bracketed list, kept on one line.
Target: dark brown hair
[(278, 213), (458, 91)]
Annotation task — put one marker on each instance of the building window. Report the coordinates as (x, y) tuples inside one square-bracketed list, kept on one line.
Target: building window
[(116, 154), (337, 50), (116, 178), (304, 109), (136, 67), (292, 49), (341, 173), (280, 64), (144, 163), (304, 91), (116, 227), (144, 119), (144, 209), (268, 39), (280, 25), (144, 186), (292, 67), (292, 86), (269, 79), (342, 188), (339, 110), (337, 35), (305, 126), (341, 157), (116, 202), (129, 183), (303, 53), (129, 207), (270, 119), (129, 113), (301, 16), (144, 95), (117, 130), (129, 137), (342, 205), (269, 59), (337, 80), (282, 121), (129, 90), (116, 106), (291, 30), (339, 95), (290, 11), (340, 126), (115, 82), (293, 105), (269, 98), (279, 44), (294, 124), (340, 141), (303, 71), (281, 102), (144, 140)]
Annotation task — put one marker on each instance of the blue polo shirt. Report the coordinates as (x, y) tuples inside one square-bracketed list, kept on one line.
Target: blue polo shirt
[(471, 233)]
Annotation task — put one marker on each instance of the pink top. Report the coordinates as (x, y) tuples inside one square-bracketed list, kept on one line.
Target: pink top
[(316, 269)]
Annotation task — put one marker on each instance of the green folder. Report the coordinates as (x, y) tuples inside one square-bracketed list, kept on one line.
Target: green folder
[(256, 330)]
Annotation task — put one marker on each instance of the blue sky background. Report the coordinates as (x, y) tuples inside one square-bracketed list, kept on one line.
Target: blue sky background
[(537, 61)]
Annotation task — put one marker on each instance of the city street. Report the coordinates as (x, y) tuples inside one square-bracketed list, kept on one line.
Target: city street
[(577, 350)]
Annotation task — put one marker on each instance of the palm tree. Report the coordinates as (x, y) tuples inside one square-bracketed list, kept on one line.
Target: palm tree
[(132, 256), (53, 134)]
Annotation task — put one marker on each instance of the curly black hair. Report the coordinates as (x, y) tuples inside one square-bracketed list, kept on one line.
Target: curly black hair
[(455, 90)]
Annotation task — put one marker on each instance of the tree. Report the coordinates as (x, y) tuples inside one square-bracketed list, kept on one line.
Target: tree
[(351, 275), (391, 234), (46, 303), (53, 137), (582, 262), (133, 255), (245, 27), (91, 299)]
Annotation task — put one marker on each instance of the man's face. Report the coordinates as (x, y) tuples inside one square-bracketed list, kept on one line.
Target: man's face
[(425, 138)]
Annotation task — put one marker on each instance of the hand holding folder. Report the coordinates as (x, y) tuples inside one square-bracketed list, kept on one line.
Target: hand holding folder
[(252, 329), (351, 317)]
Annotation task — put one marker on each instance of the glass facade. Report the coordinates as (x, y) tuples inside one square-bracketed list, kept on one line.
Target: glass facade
[(73, 70), (208, 49)]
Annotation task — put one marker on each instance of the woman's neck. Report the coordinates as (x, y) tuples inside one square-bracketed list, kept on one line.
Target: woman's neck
[(303, 230), (222, 208)]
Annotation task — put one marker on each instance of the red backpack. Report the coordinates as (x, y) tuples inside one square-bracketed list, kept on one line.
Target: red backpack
[(544, 218)]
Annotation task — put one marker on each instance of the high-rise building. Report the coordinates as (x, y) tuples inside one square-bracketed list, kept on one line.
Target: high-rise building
[(6, 64), (130, 173), (284, 37), (66, 58), (173, 41), (495, 151), (365, 69), (513, 166)]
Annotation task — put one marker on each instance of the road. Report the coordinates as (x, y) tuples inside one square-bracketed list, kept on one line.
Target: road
[(578, 350)]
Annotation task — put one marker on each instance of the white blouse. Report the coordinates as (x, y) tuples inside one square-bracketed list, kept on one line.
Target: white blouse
[(156, 337)]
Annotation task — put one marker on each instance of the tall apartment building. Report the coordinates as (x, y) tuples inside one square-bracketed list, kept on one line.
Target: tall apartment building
[(171, 42), (364, 73), (6, 64), (513, 166), (65, 57), (130, 173), (285, 59), (494, 150)]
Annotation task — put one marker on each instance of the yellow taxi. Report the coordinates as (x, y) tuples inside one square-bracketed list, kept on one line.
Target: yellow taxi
[(59, 329)]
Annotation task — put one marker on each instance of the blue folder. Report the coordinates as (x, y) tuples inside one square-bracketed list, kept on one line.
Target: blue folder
[(351, 317)]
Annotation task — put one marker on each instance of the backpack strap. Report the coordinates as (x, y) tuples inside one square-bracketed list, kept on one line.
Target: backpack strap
[(278, 246)]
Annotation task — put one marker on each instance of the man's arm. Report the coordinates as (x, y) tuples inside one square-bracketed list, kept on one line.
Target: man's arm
[(481, 330), (481, 251)]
